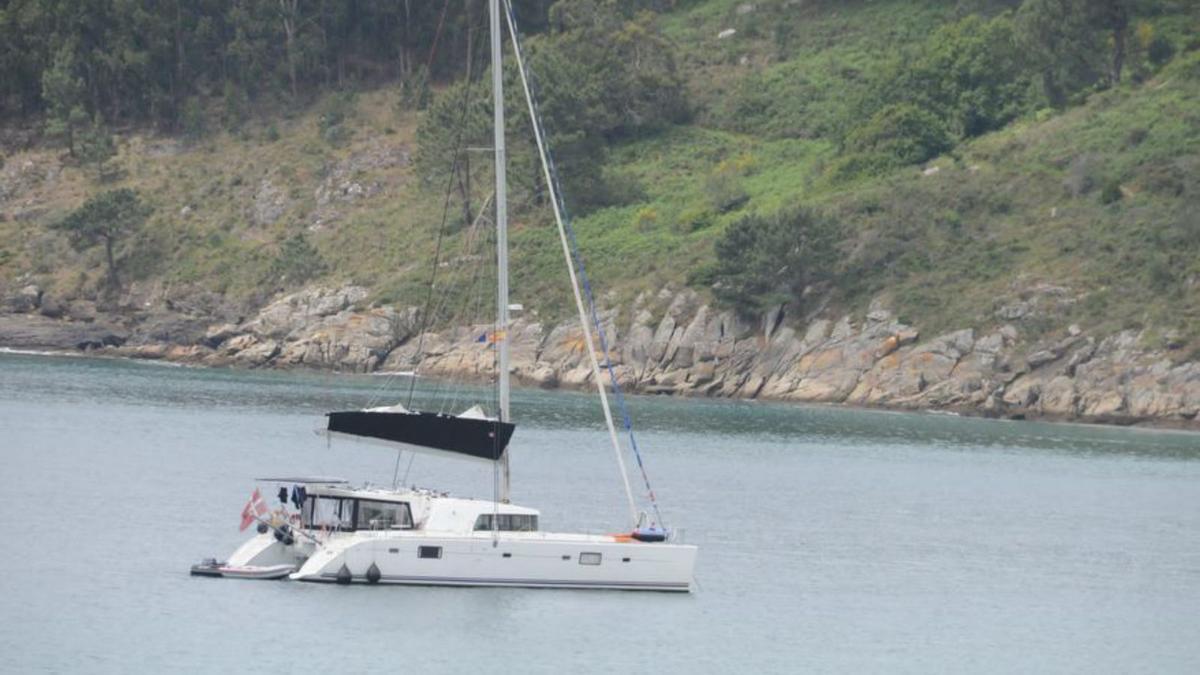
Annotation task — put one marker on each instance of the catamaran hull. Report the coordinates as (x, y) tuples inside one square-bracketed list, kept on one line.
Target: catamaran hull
[(584, 563), (512, 583)]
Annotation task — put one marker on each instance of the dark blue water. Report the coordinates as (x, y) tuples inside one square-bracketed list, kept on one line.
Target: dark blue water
[(831, 540)]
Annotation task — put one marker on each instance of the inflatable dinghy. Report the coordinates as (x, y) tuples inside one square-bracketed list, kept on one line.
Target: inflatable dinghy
[(212, 568)]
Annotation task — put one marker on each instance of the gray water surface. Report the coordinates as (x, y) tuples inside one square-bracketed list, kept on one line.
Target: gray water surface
[(831, 540)]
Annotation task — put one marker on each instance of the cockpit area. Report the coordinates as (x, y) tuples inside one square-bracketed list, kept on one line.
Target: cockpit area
[(348, 514)]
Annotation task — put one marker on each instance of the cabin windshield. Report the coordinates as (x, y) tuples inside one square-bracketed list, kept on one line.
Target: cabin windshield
[(332, 513), (347, 513), (383, 516)]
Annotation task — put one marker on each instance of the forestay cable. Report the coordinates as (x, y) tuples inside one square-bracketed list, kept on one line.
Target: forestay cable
[(574, 259)]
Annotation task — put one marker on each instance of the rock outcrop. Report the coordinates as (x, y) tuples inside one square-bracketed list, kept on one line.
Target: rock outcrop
[(672, 343)]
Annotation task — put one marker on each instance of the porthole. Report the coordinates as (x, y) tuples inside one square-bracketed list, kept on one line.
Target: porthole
[(429, 551), (589, 558)]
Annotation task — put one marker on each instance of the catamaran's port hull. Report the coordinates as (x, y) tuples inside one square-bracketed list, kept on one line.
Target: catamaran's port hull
[(527, 560), (509, 583)]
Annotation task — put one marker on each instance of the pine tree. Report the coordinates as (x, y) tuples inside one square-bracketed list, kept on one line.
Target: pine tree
[(105, 218), (63, 92)]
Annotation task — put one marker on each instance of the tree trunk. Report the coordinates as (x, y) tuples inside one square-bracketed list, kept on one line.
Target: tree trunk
[(327, 65), (1118, 60), (113, 283), (288, 8), (405, 51), (1054, 92), (180, 62)]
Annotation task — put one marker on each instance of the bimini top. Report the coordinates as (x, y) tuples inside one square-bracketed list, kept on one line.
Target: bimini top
[(471, 435), (306, 480)]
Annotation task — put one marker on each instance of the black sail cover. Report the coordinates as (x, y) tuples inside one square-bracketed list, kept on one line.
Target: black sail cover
[(470, 437)]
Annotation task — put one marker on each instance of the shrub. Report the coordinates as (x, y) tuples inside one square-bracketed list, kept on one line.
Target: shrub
[(192, 120), (1190, 68), (1164, 178), (1159, 51), (767, 260), (858, 164), (694, 219), (970, 74), (1110, 193), (901, 131), (1081, 176), (645, 219), (96, 147), (787, 101), (336, 135), (415, 93), (724, 191), (335, 111), (297, 261), (237, 106)]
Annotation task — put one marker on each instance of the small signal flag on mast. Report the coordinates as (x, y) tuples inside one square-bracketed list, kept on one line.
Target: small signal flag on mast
[(491, 337), (255, 509)]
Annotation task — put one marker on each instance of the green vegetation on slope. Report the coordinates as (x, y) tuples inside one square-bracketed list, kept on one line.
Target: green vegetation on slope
[(954, 167)]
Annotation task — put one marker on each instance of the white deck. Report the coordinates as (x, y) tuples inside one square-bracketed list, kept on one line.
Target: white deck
[(443, 548)]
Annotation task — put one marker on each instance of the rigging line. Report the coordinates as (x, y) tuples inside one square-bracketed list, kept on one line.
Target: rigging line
[(472, 243), (449, 314), (472, 299), (411, 457), (479, 291), (496, 468), (554, 185), (458, 143), (443, 386), (396, 472)]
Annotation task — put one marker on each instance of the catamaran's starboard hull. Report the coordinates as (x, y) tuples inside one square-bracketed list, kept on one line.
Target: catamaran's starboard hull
[(509, 583), (533, 560)]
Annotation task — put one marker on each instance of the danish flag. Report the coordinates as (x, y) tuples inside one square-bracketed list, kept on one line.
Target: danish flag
[(255, 508)]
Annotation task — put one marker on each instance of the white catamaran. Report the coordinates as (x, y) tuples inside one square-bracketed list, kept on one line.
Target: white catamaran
[(338, 533)]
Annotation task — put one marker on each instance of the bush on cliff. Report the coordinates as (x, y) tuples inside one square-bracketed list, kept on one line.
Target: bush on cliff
[(767, 260)]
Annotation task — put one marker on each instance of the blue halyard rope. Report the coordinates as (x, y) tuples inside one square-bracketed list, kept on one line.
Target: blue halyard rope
[(557, 195)]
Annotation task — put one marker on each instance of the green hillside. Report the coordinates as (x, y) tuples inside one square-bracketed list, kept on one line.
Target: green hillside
[(823, 154)]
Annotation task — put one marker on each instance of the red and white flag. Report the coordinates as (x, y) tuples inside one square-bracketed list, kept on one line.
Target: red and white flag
[(255, 508)]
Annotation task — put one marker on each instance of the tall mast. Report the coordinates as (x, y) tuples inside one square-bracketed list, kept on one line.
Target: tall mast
[(501, 339)]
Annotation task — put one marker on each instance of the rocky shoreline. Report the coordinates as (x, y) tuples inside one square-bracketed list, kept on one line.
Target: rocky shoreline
[(671, 344)]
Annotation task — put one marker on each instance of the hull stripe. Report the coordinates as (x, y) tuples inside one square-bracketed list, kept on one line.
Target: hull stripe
[(480, 581)]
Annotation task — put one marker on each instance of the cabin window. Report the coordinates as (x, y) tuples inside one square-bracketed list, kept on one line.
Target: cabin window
[(374, 515), (429, 551), (589, 558), (334, 513), (507, 522)]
